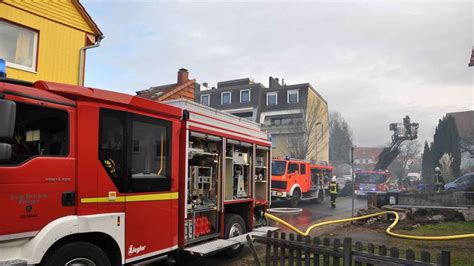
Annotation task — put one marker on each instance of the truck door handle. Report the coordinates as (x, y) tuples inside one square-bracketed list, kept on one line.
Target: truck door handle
[(69, 198)]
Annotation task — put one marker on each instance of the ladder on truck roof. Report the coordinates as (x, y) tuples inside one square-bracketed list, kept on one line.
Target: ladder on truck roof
[(214, 246)]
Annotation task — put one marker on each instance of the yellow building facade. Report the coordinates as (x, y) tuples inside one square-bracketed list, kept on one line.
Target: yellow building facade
[(42, 40), (317, 121)]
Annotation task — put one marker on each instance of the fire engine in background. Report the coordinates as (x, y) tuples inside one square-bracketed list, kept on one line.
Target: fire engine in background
[(371, 181), (94, 177), (378, 180), (297, 180)]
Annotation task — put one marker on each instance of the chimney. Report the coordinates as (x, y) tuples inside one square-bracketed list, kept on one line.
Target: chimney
[(183, 76)]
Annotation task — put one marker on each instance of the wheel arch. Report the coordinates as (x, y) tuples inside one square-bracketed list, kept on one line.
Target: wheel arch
[(295, 186), (102, 240), (102, 229)]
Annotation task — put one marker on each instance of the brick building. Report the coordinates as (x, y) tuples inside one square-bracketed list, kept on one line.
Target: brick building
[(183, 89)]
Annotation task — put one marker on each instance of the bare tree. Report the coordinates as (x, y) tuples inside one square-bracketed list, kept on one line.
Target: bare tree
[(409, 153), (308, 133), (340, 139)]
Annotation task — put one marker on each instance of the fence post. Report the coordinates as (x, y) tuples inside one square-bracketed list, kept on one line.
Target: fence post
[(383, 250), (291, 250), (326, 243), (425, 256), (283, 249), (307, 252), (394, 253), (268, 248), (316, 243), (370, 249), (299, 258), (410, 254), (445, 258), (347, 251), (275, 249), (336, 259), (358, 247)]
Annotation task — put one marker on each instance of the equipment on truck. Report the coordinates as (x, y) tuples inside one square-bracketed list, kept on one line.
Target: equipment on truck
[(401, 132)]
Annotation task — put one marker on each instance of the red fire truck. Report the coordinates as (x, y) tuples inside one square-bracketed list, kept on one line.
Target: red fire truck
[(297, 180), (371, 181), (95, 177)]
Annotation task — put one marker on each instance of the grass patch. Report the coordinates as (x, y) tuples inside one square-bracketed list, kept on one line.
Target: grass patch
[(462, 250), (445, 228)]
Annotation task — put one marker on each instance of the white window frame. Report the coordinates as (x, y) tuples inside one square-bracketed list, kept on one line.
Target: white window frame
[(250, 95), (291, 92), (222, 97), (273, 93), (208, 99), (35, 49)]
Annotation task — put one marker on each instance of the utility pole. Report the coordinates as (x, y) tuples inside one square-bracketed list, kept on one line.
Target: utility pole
[(353, 178)]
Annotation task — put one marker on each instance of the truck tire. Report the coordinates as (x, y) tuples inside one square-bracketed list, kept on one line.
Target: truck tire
[(77, 253), (234, 226), (295, 198)]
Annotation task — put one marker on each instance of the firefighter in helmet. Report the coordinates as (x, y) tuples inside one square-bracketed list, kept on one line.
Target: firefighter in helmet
[(333, 189), (439, 180)]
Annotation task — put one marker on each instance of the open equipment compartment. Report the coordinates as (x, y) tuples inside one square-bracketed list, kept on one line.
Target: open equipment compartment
[(204, 163), (238, 170), (261, 176)]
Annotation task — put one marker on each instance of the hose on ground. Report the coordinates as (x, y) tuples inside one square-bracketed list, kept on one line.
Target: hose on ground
[(388, 230)]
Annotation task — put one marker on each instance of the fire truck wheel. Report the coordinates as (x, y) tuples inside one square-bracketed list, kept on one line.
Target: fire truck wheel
[(295, 198), (234, 226), (77, 253)]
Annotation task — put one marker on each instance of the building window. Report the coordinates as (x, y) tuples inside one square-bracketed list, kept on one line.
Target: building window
[(225, 98), (273, 140), (293, 96), (205, 99), (18, 46), (245, 96), (245, 115), (272, 98), (292, 141)]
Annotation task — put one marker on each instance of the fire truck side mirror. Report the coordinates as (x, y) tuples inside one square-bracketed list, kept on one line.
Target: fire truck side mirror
[(7, 119)]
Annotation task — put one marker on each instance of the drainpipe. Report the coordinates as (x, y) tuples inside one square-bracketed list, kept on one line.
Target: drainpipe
[(82, 58)]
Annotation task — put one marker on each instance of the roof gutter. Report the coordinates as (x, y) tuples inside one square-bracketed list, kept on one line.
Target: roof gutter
[(82, 51)]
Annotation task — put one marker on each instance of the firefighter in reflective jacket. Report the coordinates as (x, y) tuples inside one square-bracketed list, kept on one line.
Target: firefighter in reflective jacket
[(439, 180), (333, 189)]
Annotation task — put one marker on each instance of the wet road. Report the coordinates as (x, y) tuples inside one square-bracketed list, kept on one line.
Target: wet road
[(312, 213)]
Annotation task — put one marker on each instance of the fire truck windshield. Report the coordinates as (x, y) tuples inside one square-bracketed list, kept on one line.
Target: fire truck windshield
[(370, 178), (39, 131), (278, 167)]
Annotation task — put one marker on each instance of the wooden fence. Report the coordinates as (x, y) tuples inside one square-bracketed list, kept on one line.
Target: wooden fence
[(307, 251)]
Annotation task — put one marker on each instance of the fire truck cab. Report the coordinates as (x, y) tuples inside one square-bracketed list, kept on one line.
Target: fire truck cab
[(103, 178), (371, 181), (297, 180)]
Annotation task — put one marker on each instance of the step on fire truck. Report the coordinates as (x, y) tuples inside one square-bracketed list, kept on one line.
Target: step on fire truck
[(95, 177), (297, 180)]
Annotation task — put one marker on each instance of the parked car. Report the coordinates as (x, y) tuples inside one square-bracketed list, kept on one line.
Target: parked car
[(463, 183)]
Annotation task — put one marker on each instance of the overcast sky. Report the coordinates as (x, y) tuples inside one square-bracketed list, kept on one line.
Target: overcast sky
[(374, 62)]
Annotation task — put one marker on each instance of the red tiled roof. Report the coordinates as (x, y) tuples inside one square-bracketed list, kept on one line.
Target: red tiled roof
[(367, 153)]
